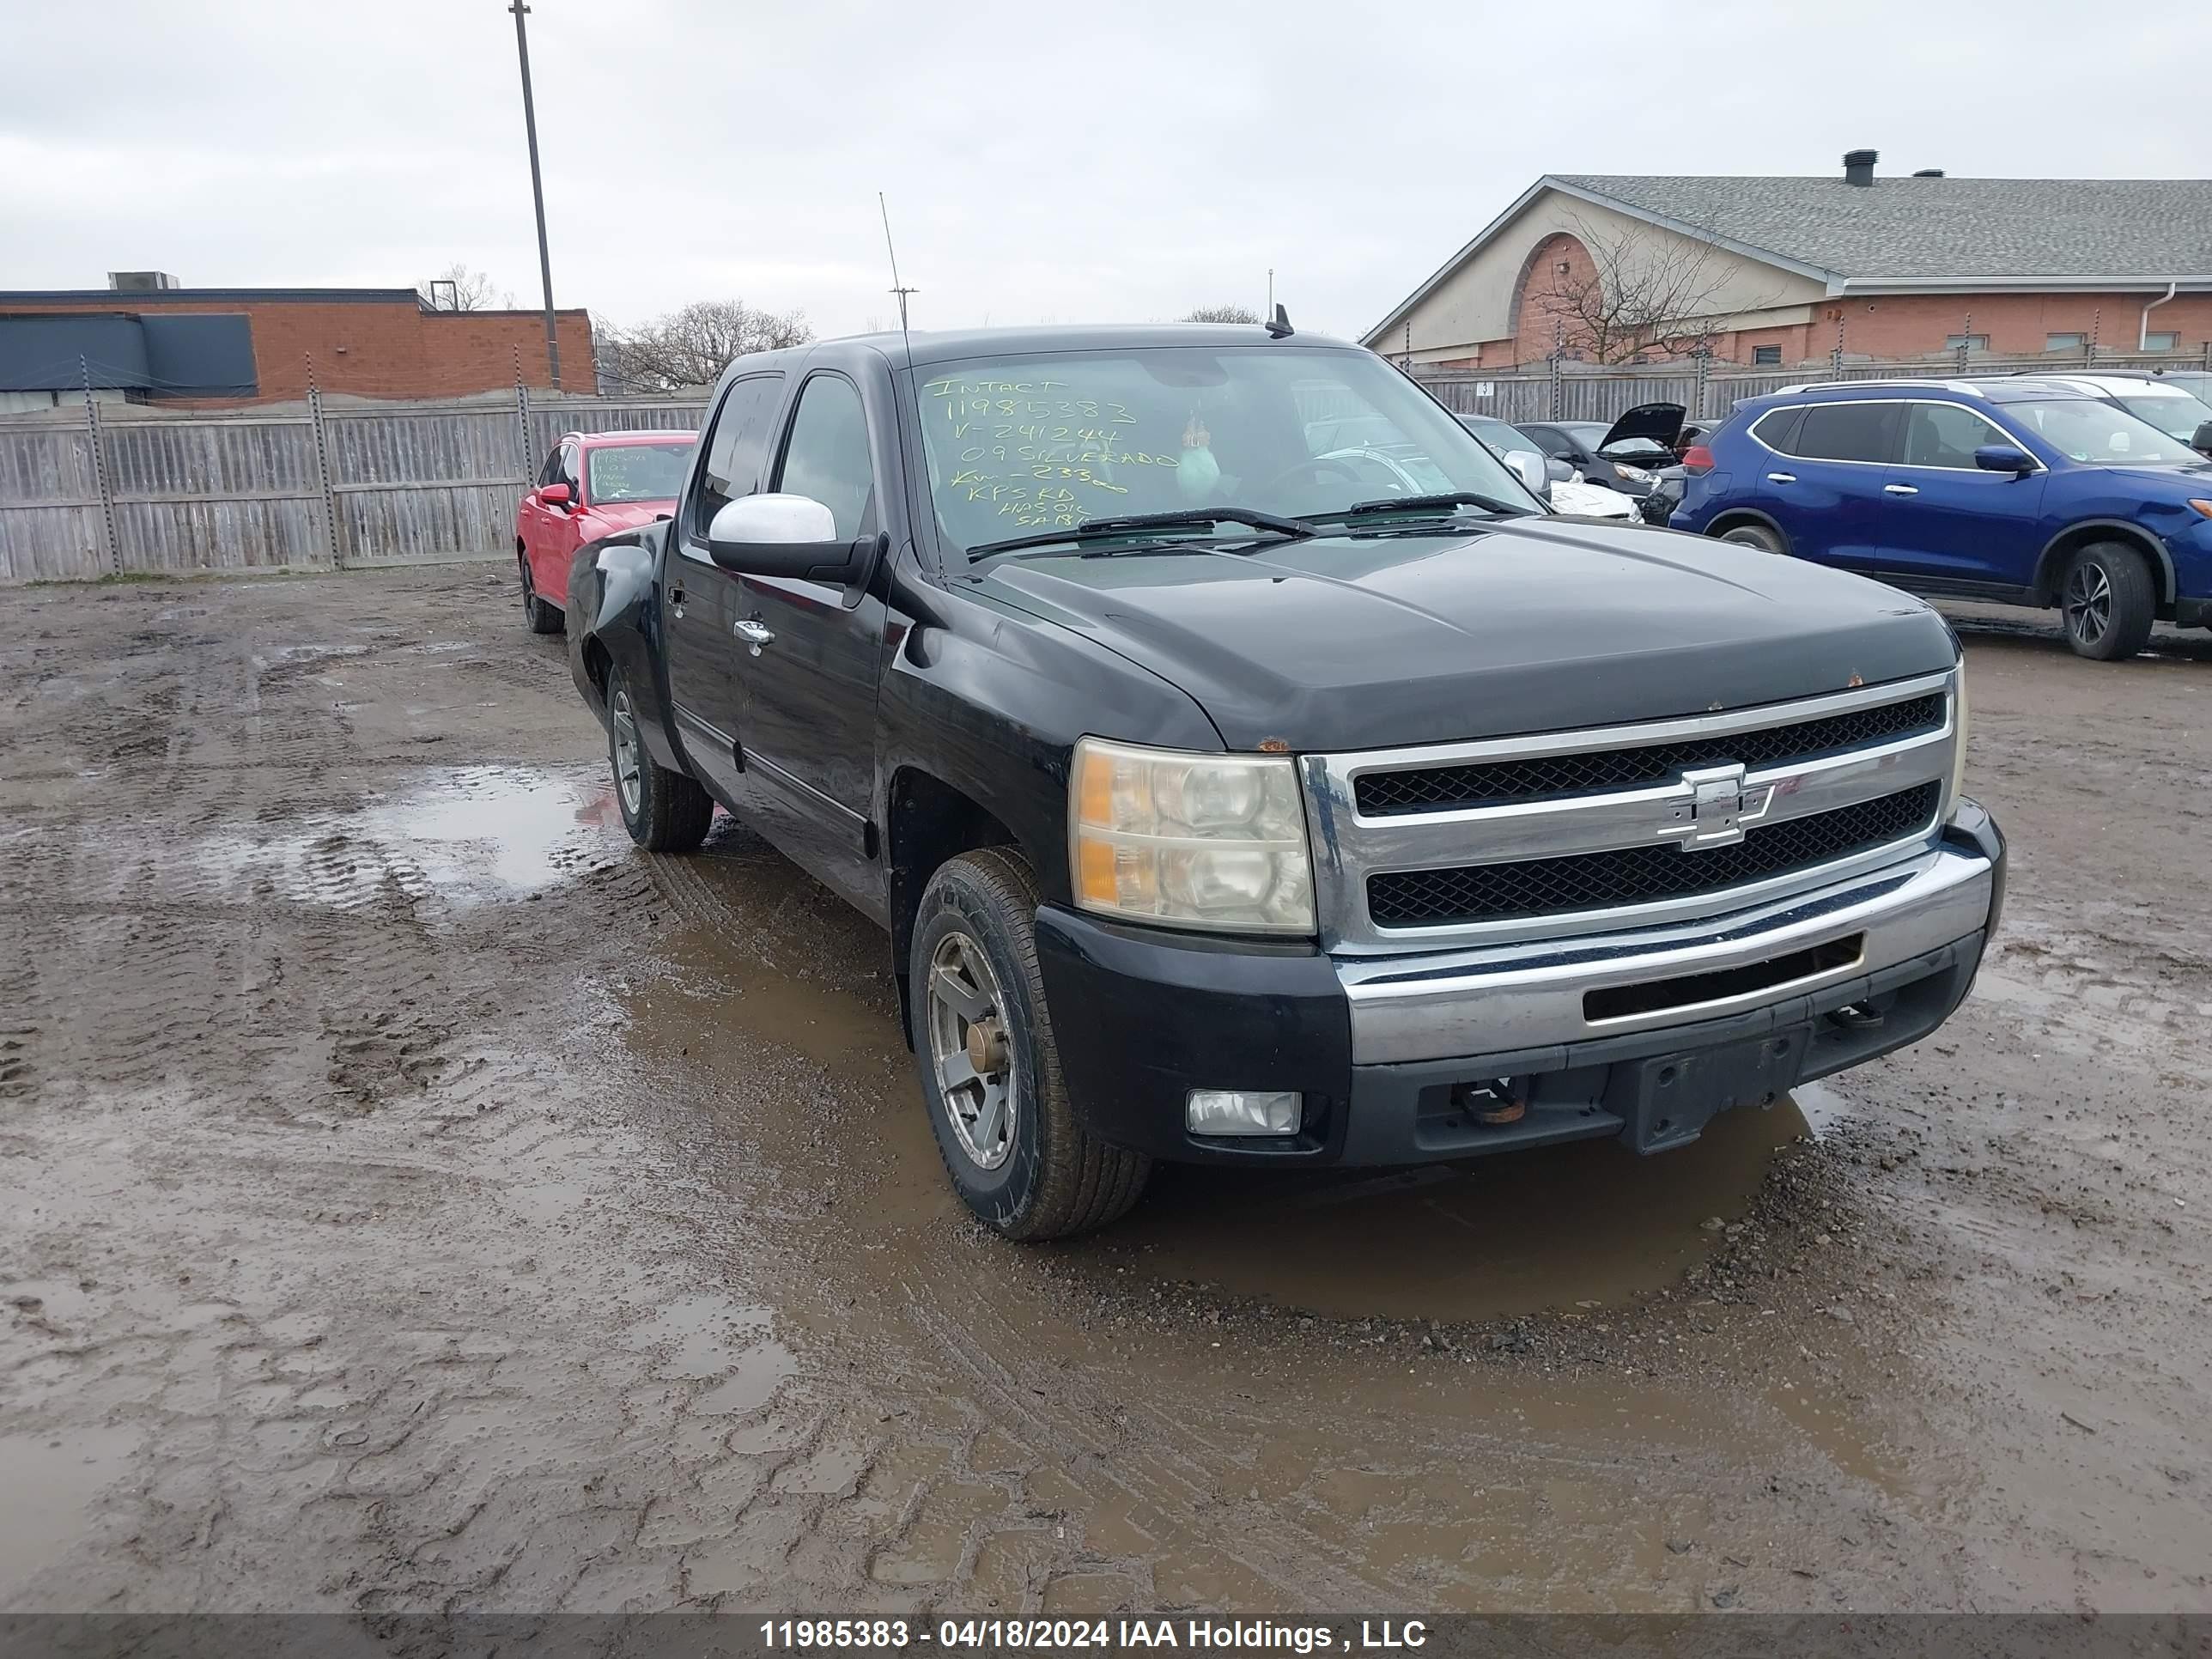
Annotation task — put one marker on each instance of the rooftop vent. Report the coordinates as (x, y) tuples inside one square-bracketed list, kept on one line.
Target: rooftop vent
[(1928, 173), (1858, 166), (140, 282)]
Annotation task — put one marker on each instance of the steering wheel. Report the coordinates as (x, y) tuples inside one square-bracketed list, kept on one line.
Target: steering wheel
[(1313, 463)]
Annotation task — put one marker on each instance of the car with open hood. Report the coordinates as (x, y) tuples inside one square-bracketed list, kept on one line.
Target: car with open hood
[(1625, 456), (1246, 768)]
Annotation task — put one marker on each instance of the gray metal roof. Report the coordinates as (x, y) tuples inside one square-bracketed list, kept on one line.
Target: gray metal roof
[(1907, 227)]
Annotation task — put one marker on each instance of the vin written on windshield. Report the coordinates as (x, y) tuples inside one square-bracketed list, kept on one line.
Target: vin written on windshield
[(1022, 445)]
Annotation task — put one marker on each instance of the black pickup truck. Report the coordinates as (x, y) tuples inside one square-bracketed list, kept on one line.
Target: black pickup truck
[(1248, 768)]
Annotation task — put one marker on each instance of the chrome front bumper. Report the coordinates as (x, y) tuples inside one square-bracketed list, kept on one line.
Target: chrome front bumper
[(1534, 993)]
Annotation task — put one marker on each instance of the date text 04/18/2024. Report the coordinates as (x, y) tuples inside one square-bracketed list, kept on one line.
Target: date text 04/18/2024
[(1093, 1633)]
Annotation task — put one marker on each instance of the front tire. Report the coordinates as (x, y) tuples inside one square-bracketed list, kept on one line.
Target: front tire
[(990, 1069), (665, 812), (2108, 602)]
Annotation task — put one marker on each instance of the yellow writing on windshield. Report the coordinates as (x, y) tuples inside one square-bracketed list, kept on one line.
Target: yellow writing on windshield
[(1035, 453)]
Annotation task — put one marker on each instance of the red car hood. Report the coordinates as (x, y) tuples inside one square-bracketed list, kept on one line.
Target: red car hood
[(624, 515)]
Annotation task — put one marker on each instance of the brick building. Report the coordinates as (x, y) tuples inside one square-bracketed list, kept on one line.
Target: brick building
[(370, 342), (1783, 270)]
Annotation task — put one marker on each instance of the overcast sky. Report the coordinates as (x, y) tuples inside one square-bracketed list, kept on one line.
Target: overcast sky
[(1085, 162)]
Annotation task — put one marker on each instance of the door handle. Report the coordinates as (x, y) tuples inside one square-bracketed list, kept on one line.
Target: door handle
[(1782, 478), (754, 632), (1900, 490)]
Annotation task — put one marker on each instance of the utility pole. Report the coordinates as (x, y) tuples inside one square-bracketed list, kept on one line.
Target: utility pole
[(537, 192)]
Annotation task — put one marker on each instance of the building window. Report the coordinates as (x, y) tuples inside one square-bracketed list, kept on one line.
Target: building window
[(1966, 341), (2065, 342), (1767, 354), (2166, 342)]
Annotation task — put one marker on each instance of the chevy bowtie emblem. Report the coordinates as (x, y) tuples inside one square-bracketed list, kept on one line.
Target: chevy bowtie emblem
[(1719, 807)]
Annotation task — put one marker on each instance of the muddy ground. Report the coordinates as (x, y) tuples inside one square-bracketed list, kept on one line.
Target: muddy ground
[(415, 1198)]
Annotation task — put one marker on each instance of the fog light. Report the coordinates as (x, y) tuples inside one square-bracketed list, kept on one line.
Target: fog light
[(1239, 1112)]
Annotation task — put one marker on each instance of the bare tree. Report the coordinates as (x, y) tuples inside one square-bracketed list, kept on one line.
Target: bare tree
[(692, 346), (1648, 293), (1221, 314), (460, 287)]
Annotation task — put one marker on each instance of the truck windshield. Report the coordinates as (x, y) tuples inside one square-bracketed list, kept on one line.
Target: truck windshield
[(638, 472), (2089, 430), (1028, 444)]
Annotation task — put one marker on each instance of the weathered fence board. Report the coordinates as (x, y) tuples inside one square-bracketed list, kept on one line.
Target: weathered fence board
[(241, 491)]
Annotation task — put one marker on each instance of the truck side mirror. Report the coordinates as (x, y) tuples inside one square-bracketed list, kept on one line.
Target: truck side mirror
[(555, 495), (1528, 466), (2004, 458), (1558, 470), (781, 535)]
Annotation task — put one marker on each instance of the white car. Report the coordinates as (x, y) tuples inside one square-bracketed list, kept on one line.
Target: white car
[(1556, 484)]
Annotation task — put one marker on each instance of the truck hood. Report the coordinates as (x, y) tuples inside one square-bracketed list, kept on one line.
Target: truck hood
[(1532, 625)]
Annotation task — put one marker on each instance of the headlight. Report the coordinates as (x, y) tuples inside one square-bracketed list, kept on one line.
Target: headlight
[(1633, 474), (1197, 841), (1958, 735)]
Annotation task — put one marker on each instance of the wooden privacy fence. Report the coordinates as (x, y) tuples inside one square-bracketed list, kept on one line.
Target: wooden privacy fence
[(119, 489), (113, 489), (1582, 391)]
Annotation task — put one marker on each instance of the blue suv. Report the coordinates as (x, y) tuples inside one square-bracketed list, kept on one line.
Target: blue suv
[(2021, 491)]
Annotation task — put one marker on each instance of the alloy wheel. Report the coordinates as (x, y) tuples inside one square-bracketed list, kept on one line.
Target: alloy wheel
[(630, 758), (2088, 602), (970, 1049), (529, 595)]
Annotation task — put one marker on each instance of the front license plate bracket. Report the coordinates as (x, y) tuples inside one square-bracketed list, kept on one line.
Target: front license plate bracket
[(1667, 1101)]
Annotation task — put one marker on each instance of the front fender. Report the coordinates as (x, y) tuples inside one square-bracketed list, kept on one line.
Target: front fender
[(614, 622)]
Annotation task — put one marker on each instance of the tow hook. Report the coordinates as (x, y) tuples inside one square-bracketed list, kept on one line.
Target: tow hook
[(1491, 1103), (1857, 1017)]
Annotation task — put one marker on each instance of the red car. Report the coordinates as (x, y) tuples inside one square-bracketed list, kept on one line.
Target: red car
[(592, 484)]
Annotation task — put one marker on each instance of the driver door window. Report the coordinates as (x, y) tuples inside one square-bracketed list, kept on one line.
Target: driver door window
[(734, 451)]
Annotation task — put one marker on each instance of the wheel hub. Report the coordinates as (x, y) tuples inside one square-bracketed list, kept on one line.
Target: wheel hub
[(986, 1045)]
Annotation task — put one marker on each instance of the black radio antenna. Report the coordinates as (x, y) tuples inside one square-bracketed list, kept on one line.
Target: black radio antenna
[(898, 291)]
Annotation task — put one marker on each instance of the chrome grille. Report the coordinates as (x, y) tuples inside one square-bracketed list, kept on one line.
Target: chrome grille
[(1639, 875), (1443, 789), (1557, 835)]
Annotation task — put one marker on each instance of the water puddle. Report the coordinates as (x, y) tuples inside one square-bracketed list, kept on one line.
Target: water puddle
[(473, 836), (52, 1483), (1587, 1223)]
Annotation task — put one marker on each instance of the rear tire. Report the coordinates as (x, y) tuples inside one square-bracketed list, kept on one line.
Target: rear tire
[(1755, 535), (2107, 601), (543, 618), (665, 812), (1010, 1142)]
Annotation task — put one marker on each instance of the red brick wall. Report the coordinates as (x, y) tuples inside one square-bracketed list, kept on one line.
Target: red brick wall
[(1904, 326), (375, 349), (1536, 328), (1912, 325)]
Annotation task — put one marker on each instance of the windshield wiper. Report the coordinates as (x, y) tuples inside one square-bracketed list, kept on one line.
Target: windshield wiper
[(1203, 518), (1423, 503)]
